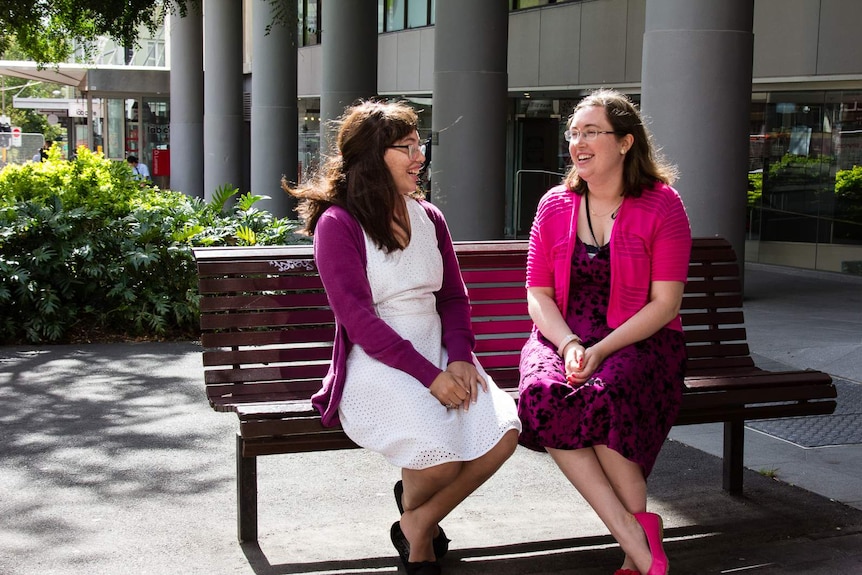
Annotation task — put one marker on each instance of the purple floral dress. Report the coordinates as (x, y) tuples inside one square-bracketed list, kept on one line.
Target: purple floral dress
[(632, 399)]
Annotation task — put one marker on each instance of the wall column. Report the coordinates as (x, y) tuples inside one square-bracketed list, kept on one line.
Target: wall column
[(274, 109), (223, 123), (468, 169), (187, 102), (349, 67), (697, 73)]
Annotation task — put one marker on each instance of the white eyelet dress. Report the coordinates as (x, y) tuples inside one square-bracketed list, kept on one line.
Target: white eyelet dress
[(388, 411)]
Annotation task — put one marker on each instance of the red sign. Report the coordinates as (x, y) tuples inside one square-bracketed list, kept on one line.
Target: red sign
[(161, 162)]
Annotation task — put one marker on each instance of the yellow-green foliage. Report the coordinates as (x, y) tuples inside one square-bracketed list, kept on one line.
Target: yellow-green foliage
[(90, 180), (848, 183)]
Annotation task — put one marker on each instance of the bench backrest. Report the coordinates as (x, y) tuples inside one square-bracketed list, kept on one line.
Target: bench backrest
[(266, 327)]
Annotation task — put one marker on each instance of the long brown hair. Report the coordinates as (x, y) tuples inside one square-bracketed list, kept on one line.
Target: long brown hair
[(642, 166), (357, 178)]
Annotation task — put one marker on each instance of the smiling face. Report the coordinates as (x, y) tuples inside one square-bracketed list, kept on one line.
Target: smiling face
[(404, 169), (599, 161)]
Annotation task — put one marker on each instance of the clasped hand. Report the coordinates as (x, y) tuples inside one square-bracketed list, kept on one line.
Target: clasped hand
[(580, 363), (458, 386)]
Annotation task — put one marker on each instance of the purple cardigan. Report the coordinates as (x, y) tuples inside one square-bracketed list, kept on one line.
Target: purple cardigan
[(339, 251)]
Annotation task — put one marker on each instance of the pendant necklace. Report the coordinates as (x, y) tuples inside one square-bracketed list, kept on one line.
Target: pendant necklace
[(613, 214)]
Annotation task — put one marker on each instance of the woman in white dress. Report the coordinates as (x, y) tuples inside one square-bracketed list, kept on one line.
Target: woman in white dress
[(403, 380)]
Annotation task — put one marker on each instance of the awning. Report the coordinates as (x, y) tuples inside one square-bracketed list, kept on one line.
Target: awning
[(66, 74), (96, 78)]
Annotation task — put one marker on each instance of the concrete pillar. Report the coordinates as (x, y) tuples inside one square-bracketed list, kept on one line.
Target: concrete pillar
[(468, 170), (349, 68), (274, 109), (697, 72), (187, 102), (223, 124)]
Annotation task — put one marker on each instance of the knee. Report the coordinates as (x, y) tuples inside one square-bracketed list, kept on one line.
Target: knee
[(508, 443)]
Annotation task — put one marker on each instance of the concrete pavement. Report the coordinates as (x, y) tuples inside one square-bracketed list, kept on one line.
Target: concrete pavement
[(113, 463)]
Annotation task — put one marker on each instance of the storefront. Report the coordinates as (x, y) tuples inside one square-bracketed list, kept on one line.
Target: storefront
[(122, 111)]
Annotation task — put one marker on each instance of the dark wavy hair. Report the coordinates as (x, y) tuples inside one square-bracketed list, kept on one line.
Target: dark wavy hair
[(642, 166), (356, 177)]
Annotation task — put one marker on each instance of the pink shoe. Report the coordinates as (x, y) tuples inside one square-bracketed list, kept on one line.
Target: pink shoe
[(652, 526), (626, 572)]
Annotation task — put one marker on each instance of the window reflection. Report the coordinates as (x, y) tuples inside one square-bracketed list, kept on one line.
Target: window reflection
[(804, 185)]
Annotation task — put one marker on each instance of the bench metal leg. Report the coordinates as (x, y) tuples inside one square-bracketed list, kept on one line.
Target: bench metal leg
[(246, 495), (734, 448)]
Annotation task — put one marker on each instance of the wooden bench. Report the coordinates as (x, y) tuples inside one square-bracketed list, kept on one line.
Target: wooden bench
[(267, 339)]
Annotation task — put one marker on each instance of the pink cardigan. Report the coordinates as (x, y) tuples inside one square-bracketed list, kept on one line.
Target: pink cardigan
[(650, 241)]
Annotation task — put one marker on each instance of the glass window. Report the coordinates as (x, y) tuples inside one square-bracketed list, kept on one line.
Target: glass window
[(300, 22), (115, 139), (312, 22), (417, 13), (521, 4), (394, 15), (803, 183), (308, 22)]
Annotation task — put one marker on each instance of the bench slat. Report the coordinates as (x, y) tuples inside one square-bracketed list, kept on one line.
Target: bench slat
[(224, 339), (241, 320), (258, 302)]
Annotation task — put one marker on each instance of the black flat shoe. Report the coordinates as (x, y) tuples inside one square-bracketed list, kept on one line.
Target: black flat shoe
[(441, 542), (402, 546), (423, 568), (399, 541)]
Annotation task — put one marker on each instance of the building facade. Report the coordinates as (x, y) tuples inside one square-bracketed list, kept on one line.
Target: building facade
[(757, 101), (805, 117)]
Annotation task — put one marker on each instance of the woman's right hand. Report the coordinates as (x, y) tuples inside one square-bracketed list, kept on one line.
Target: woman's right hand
[(573, 359), (449, 391)]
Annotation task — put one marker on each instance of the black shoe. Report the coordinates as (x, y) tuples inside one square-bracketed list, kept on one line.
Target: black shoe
[(402, 546), (441, 542), (423, 568), (399, 541)]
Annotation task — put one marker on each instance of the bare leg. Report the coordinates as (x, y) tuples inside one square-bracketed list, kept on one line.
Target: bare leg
[(584, 469), (431, 494), (627, 481)]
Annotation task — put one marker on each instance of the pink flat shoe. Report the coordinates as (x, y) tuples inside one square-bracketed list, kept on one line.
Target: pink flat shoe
[(652, 526)]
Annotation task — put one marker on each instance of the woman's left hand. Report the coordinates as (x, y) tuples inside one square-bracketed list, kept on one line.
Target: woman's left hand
[(468, 377), (593, 358)]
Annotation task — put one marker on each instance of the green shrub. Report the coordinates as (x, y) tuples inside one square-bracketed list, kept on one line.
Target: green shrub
[(801, 170), (85, 251), (755, 188), (848, 183)]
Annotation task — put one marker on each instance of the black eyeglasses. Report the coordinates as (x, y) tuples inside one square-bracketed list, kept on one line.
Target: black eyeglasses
[(572, 134), (412, 150)]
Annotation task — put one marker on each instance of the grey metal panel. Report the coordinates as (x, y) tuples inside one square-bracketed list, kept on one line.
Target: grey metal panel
[(635, 25), (408, 52), (603, 36), (785, 37), (523, 52), (426, 60), (840, 48), (309, 66), (559, 45), (387, 63), (120, 81)]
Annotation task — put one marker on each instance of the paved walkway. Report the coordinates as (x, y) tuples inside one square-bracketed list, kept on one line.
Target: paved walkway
[(112, 463)]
